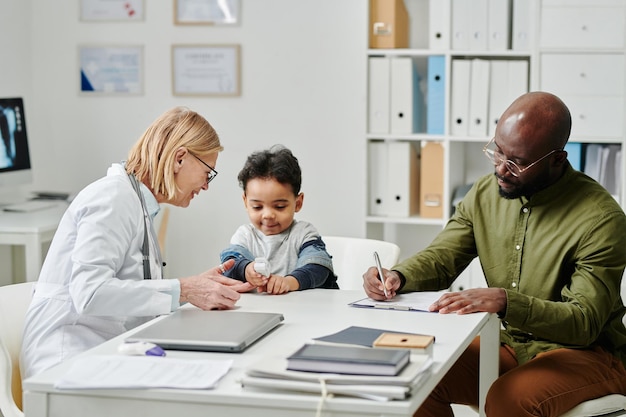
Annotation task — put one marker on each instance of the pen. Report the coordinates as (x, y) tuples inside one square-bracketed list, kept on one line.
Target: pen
[(380, 272), (392, 307)]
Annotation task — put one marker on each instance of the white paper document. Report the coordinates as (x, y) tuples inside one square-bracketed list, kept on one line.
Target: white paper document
[(414, 301), (98, 372)]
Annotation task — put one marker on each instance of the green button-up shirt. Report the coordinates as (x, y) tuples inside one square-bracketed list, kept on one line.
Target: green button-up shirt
[(560, 256)]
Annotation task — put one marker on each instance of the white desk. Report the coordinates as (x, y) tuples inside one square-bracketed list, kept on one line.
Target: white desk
[(308, 314), (31, 230)]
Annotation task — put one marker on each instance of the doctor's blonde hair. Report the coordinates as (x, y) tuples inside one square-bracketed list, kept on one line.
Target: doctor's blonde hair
[(153, 157)]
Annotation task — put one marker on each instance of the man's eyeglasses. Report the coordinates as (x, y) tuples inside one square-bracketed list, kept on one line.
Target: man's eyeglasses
[(212, 172), (498, 157)]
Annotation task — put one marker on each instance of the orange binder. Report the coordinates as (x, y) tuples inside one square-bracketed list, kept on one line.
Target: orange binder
[(389, 24), (431, 180)]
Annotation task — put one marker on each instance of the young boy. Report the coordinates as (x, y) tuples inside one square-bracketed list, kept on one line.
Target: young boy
[(275, 252)]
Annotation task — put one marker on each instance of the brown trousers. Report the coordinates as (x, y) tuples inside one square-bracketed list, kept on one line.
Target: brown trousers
[(546, 386)]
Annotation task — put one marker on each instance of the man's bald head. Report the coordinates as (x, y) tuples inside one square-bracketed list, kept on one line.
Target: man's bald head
[(540, 117)]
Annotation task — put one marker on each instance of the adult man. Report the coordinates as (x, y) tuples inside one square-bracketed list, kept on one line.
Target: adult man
[(552, 245)]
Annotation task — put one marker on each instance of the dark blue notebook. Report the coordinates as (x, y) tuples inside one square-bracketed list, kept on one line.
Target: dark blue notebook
[(340, 359)]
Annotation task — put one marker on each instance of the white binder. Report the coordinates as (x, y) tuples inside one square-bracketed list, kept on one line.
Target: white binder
[(522, 35), (403, 180), (508, 81), (498, 101), (405, 96), (439, 22), (379, 94), (478, 12), (518, 79), (459, 112), (377, 178), (498, 25), (460, 24), (479, 98)]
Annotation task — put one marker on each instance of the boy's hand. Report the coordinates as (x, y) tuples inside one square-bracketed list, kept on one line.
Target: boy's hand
[(254, 277), (280, 285)]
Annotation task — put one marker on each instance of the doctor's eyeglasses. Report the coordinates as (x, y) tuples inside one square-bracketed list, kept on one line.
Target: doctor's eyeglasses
[(497, 157), (212, 172)]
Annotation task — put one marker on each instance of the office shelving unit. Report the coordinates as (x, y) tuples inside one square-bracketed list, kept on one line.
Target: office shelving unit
[(572, 48)]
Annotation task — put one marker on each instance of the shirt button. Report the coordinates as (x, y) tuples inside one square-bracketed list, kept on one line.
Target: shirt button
[(514, 285), (525, 209), (517, 247)]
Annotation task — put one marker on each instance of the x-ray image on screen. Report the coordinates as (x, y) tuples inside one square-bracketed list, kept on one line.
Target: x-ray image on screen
[(8, 124), (15, 167)]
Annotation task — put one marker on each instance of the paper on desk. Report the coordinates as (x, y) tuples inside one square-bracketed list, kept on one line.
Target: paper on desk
[(97, 372), (414, 301)]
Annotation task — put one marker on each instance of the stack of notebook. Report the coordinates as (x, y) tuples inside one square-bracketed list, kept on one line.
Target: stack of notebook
[(344, 363)]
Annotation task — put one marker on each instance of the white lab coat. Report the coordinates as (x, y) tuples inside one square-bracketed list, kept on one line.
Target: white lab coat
[(91, 285)]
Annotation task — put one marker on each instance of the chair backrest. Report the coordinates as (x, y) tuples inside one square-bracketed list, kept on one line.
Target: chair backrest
[(353, 256), (14, 302)]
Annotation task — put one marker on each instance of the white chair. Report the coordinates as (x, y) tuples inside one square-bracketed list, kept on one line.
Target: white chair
[(353, 256), (14, 301), (610, 405)]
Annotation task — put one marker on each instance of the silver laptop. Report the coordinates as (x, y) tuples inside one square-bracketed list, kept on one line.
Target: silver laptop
[(208, 331)]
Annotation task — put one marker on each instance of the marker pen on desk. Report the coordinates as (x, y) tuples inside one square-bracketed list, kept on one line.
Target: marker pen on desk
[(141, 349)]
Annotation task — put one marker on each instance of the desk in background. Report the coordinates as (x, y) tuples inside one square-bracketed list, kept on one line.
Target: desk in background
[(308, 314), (31, 230)]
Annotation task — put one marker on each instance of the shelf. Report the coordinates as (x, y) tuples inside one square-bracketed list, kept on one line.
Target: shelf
[(406, 220), (450, 52), (436, 96)]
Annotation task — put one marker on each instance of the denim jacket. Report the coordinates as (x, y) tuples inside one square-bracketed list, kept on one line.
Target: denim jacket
[(298, 251)]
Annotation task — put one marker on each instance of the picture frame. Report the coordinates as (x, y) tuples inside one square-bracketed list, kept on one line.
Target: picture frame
[(111, 69), (206, 70), (206, 12), (111, 10)]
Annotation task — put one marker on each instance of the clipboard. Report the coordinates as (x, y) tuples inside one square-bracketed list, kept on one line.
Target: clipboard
[(415, 301)]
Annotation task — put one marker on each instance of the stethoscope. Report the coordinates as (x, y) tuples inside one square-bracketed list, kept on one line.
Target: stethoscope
[(145, 248)]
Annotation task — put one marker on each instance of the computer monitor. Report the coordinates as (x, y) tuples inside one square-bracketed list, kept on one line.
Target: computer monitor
[(15, 168)]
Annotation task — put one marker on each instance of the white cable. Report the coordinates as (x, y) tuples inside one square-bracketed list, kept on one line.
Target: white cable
[(324, 394)]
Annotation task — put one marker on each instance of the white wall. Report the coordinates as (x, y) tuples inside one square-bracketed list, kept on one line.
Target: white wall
[(303, 85), (15, 78)]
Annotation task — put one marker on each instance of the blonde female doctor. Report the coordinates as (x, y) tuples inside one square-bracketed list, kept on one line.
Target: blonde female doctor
[(103, 272)]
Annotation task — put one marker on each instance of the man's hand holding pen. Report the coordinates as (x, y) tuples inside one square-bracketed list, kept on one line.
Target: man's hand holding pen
[(373, 285)]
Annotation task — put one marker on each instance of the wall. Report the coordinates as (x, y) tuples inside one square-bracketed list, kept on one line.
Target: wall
[(15, 78), (303, 85)]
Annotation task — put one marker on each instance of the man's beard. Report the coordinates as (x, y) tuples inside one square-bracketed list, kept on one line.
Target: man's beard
[(526, 190)]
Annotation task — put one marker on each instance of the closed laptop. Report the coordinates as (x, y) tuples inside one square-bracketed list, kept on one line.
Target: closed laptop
[(209, 331)]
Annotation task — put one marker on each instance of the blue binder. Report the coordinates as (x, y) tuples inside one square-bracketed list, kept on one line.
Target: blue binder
[(574, 154), (435, 105)]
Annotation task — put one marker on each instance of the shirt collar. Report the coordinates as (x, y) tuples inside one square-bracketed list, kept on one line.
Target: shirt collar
[(553, 191), (152, 206)]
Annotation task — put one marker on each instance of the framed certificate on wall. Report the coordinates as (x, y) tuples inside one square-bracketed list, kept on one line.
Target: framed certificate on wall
[(206, 70), (111, 10), (111, 69), (206, 12)]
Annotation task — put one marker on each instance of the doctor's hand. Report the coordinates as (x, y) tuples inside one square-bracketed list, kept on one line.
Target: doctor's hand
[(216, 274), (373, 286), (212, 291), (473, 300)]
